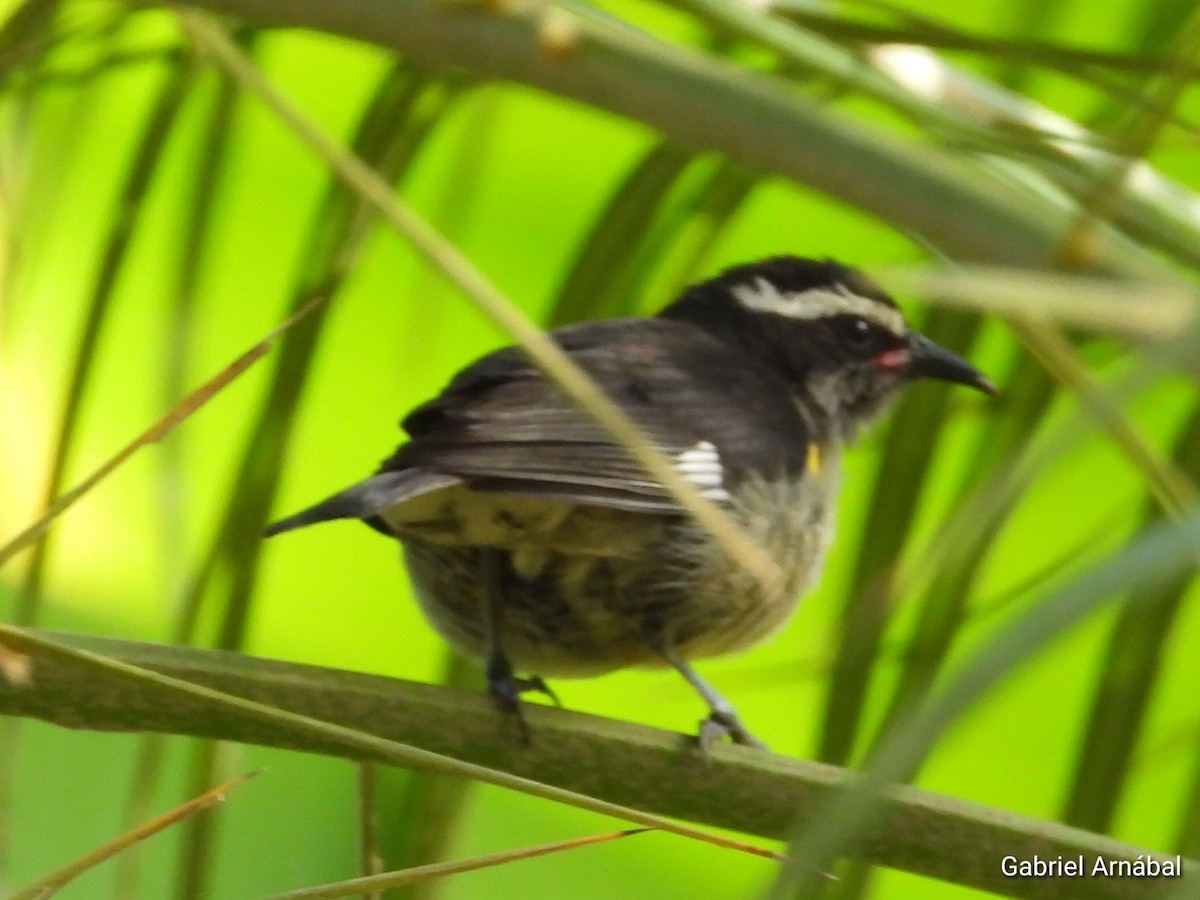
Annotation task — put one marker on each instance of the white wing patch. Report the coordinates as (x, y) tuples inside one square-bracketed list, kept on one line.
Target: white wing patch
[(700, 465), (816, 303)]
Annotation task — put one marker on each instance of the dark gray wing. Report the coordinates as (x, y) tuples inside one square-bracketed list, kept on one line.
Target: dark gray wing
[(500, 426)]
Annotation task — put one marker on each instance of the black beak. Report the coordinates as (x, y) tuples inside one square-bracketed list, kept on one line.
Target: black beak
[(928, 360)]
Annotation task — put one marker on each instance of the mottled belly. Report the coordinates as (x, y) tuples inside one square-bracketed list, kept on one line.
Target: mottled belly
[(584, 590)]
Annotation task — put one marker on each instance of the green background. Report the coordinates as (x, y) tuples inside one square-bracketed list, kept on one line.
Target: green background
[(516, 178)]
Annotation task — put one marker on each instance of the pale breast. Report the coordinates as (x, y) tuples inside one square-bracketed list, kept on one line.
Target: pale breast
[(792, 520)]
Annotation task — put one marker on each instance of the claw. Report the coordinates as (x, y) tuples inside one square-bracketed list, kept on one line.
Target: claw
[(506, 689), (537, 684), (722, 724)]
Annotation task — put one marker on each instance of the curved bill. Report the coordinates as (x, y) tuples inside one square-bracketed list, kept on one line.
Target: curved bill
[(928, 360)]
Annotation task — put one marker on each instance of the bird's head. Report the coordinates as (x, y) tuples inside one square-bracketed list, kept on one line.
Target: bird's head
[(837, 338)]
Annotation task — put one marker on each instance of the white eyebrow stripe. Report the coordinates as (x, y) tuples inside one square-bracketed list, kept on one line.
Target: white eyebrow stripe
[(817, 303)]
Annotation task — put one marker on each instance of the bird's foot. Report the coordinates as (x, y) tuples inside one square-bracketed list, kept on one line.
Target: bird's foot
[(721, 724), (723, 721), (506, 689)]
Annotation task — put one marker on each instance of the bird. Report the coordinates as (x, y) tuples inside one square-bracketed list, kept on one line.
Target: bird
[(537, 545)]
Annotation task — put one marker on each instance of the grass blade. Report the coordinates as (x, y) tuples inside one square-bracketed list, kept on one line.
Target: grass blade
[(1160, 555), (56, 881), (408, 877)]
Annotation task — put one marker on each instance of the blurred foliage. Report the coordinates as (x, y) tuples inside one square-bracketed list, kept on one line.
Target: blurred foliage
[(155, 221)]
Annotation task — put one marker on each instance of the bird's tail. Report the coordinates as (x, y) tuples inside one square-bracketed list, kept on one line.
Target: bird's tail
[(367, 498)]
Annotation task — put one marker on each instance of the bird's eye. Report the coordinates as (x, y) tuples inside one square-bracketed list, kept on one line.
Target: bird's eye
[(858, 333)]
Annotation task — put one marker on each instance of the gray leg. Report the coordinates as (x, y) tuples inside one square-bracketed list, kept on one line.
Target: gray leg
[(503, 685), (722, 719)]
